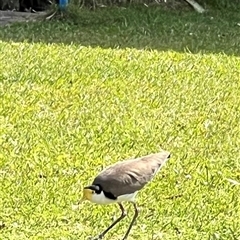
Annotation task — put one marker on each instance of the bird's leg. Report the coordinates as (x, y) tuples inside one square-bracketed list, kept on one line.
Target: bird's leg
[(123, 215), (133, 220)]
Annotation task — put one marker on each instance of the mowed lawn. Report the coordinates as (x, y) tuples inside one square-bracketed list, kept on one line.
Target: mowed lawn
[(70, 106)]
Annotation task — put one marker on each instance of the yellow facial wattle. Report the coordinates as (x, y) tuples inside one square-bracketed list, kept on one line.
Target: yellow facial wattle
[(87, 195)]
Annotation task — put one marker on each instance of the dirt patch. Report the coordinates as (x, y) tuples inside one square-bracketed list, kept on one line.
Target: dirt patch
[(9, 17)]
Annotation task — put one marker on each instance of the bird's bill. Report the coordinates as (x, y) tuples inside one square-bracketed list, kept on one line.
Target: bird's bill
[(83, 199), (87, 195)]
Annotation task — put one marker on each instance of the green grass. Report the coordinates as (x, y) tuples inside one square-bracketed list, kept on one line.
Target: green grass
[(69, 110), (152, 28)]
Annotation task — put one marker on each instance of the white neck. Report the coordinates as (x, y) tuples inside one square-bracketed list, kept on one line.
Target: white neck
[(101, 199)]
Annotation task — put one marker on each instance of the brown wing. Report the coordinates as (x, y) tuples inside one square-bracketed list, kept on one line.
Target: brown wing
[(130, 176)]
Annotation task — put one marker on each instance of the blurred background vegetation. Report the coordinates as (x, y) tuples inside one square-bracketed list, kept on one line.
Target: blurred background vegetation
[(41, 5)]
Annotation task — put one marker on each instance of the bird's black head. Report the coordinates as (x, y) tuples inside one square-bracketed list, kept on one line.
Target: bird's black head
[(89, 191)]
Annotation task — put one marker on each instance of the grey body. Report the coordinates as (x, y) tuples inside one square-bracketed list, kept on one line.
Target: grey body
[(127, 177), (131, 175)]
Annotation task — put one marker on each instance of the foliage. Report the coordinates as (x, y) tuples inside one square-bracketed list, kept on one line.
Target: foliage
[(38, 5), (9, 4), (69, 110)]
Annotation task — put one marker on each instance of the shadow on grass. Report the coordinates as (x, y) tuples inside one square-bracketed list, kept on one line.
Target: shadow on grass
[(138, 27)]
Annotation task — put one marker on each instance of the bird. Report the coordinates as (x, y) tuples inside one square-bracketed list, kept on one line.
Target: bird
[(121, 182)]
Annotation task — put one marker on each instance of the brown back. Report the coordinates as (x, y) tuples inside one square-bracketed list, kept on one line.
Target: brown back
[(131, 175)]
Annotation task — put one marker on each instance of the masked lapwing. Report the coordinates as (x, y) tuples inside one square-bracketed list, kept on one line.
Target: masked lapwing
[(121, 182)]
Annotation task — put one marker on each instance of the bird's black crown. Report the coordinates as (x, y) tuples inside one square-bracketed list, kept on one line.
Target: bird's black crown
[(96, 188)]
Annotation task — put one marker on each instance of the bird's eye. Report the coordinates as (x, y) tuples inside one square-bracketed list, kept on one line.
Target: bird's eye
[(92, 192)]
